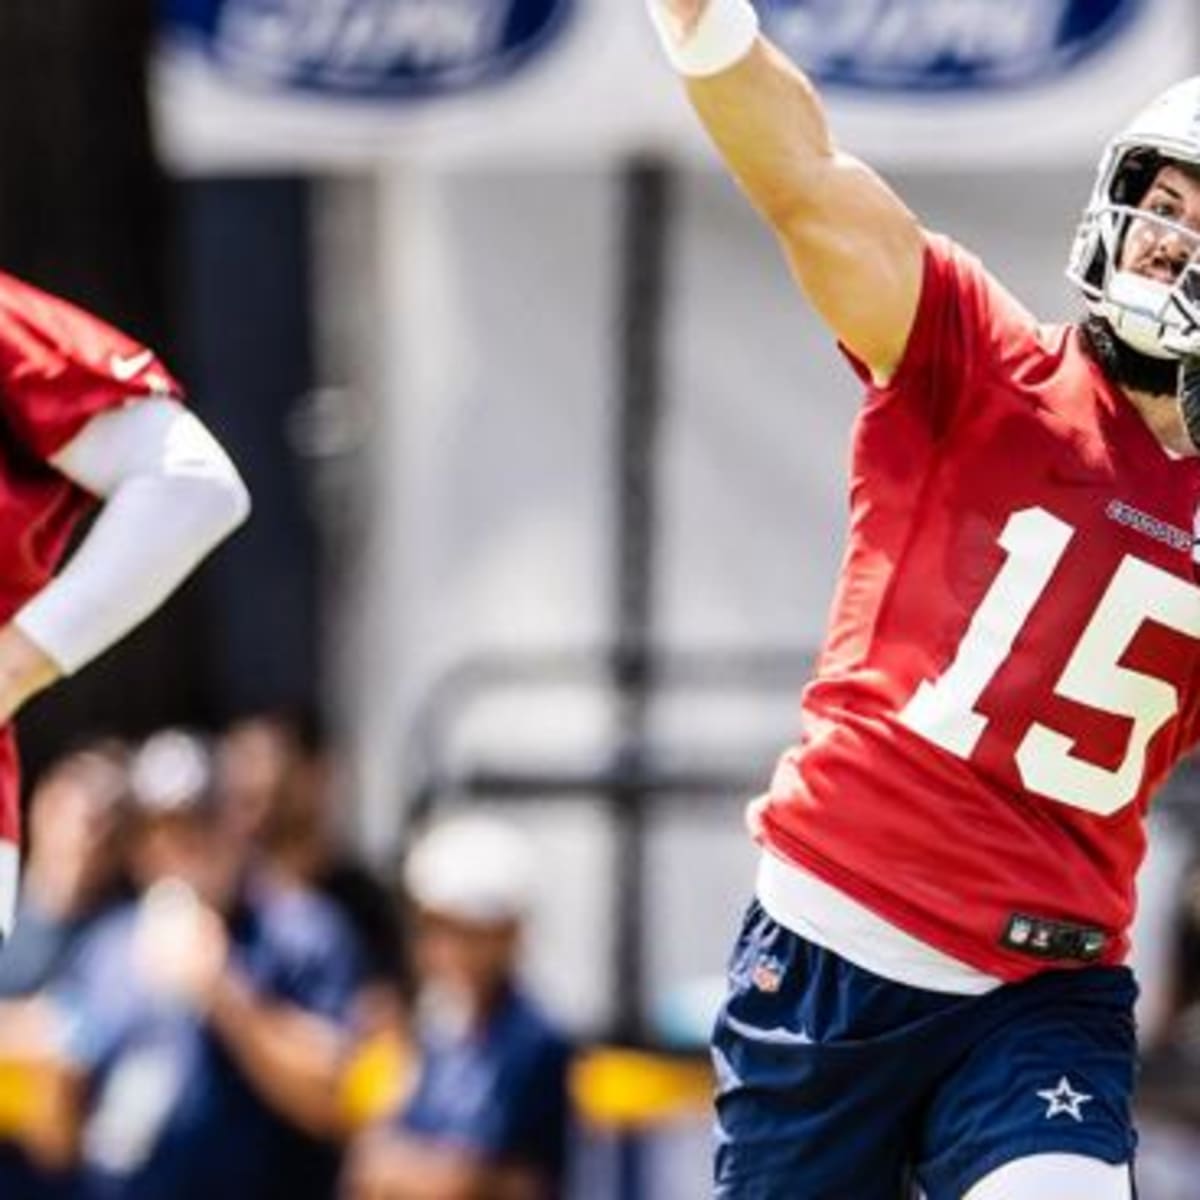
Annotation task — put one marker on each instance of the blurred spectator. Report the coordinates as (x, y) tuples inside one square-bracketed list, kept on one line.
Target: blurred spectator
[(487, 1116), (254, 758), (281, 781), (1183, 1005), (1171, 1072), (1169, 1084), (207, 1018), (73, 875), (74, 869)]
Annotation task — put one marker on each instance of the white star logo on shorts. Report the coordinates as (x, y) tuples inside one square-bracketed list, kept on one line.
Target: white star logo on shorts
[(1064, 1099)]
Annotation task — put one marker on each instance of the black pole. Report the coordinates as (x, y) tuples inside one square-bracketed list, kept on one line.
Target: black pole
[(646, 186)]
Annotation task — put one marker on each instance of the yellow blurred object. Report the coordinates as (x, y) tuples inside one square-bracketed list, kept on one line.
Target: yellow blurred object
[(38, 1110), (375, 1081), (22, 1098), (620, 1088), (610, 1087)]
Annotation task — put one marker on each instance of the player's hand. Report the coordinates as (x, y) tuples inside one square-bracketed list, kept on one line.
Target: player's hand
[(25, 669), (181, 947), (684, 15), (753, 816)]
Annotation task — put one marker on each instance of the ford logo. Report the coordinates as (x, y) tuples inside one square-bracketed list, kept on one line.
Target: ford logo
[(366, 48), (943, 45)]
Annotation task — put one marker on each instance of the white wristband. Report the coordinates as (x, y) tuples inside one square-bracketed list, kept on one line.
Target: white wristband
[(726, 33)]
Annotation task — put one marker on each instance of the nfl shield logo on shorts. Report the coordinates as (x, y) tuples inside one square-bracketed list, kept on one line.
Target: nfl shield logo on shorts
[(767, 974)]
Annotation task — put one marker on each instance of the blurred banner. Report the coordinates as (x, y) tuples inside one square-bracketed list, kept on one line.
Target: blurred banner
[(297, 84)]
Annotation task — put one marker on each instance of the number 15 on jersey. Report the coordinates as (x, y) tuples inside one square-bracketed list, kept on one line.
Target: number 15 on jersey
[(944, 710)]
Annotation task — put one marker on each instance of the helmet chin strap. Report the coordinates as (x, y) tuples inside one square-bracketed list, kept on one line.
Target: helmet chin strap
[(1139, 333), (1134, 306), (1125, 366)]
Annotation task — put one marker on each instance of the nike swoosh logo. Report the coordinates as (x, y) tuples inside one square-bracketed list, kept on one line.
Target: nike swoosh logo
[(127, 367)]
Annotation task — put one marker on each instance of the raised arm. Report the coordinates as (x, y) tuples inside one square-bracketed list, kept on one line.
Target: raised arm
[(853, 246)]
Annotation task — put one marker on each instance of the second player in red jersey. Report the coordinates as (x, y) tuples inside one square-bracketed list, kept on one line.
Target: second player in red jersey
[(88, 415)]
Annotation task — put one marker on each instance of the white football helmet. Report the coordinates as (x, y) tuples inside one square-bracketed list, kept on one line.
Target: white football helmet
[(1156, 318)]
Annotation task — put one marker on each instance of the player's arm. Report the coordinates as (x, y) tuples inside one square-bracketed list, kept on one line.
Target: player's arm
[(169, 493), (853, 246)]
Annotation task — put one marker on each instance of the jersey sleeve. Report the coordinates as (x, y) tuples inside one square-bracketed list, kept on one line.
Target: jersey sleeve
[(966, 324), (60, 366)]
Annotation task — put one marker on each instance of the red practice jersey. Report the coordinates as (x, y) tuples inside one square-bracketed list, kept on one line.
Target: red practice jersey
[(59, 367), (1011, 666)]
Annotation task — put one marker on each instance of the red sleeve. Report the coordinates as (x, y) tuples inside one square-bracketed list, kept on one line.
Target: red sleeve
[(966, 321), (59, 367)]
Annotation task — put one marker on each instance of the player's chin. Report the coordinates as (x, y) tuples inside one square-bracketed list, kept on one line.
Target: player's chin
[(1157, 272)]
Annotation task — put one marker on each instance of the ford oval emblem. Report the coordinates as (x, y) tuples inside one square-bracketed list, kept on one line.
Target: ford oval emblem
[(370, 48), (943, 45)]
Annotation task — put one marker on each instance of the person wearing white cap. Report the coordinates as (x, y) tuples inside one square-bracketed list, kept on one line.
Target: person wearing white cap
[(488, 1113), (475, 868)]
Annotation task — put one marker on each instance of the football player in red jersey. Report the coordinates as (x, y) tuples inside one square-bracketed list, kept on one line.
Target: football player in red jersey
[(86, 414), (947, 881)]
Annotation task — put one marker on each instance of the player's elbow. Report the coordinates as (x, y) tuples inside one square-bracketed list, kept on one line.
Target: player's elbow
[(838, 203), (798, 193), (223, 497), (203, 477), (207, 506), (235, 502), (787, 211)]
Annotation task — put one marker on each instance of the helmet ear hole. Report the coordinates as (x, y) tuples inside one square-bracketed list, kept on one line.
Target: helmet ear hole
[(1097, 270), (1132, 179)]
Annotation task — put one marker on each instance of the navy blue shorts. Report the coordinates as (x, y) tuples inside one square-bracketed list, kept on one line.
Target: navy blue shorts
[(835, 1084)]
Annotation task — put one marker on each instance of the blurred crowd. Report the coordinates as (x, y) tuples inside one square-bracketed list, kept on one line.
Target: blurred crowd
[(208, 995)]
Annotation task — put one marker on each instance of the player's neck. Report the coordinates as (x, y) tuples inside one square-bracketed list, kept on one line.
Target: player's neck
[(1149, 384), (1164, 420)]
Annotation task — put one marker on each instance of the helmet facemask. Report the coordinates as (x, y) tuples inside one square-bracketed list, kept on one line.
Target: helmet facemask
[(1158, 317)]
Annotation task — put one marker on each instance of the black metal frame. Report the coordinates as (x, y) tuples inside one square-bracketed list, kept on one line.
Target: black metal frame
[(631, 777)]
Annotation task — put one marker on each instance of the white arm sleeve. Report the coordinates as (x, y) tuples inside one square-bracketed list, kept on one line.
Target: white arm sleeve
[(170, 495)]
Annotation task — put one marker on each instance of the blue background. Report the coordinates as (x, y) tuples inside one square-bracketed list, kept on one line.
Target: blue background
[(1086, 26), (529, 26)]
